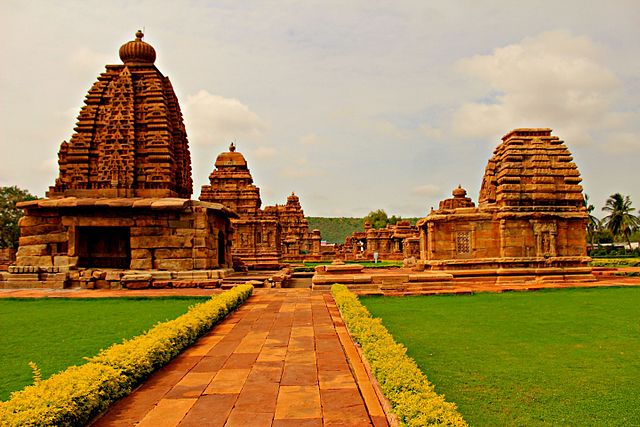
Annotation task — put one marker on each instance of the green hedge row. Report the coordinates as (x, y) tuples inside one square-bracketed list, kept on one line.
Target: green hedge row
[(77, 394), (412, 397)]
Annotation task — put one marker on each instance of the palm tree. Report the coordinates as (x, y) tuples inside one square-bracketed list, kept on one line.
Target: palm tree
[(593, 223), (620, 221)]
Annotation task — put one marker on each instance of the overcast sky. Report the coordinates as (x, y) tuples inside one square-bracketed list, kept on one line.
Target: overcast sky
[(354, 105)]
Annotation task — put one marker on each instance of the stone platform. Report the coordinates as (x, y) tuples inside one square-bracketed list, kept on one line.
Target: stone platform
[(397, 281)]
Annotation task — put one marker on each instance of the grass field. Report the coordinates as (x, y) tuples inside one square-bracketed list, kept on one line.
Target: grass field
[(561, 357), (56, 333)]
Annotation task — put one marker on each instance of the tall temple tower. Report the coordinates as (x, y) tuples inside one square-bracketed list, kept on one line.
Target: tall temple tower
[(130, 140), (122, 198)]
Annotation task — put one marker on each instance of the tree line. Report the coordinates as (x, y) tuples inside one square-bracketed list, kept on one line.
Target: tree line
[(620, 223)]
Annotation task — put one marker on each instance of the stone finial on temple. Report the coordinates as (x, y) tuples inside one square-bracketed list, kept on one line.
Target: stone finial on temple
[(137, 52)]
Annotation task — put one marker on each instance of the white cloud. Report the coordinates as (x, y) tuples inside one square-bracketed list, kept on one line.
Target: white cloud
[(554, 79), (48, 165), (431, 132), (86, 62), (263, 152), (623, 142), (310, 139), (426, 190), (302, 168), (216, 120)]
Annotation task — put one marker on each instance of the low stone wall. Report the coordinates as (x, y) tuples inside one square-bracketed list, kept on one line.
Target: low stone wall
[(91, 278), (7, 258)]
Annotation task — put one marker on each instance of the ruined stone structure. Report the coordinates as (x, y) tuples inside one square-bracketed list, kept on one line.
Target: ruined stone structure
[(298, 243), (394, 242), (263, 239), (530, 221), (122, 196)]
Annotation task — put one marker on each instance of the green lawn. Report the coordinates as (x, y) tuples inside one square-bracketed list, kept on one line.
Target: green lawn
[(560, 357), (58, 332)]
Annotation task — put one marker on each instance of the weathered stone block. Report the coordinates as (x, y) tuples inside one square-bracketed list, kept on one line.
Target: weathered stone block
[(40, 229), (43, 239), (64, 261), (142, 242), (181, 224), (173, 253), (142, 284), (33, 250), (38, 261), (185, 284), (113, 275), (102, 284), (161, 284), (140, 253), (105, 222), (173, 264), (133, 277), (147, 231), (141, 264), (201, 263), (147, 222)]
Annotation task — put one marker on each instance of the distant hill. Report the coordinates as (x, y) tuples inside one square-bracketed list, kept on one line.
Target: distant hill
[(335, 230)]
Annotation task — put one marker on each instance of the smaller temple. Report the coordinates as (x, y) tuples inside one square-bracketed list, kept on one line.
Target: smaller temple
[(393, 242), (263, 238), (257, 236), (298, 243), (529, 224)]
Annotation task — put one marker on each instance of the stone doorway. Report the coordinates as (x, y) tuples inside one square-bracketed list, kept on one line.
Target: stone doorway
[(221, 247), (104, 247)]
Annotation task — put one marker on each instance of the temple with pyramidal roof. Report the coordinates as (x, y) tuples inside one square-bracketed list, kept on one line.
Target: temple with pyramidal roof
[(122, 198)]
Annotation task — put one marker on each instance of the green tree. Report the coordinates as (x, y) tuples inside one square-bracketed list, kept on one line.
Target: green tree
[(377, 218), (620, 221), (593, 223), (10, 215)]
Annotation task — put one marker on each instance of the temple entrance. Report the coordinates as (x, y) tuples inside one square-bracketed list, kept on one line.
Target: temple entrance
[(104, 247), (221, 245)]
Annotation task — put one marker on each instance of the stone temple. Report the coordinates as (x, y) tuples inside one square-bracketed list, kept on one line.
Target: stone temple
[(122, 198), (530, 222), (263, 238)]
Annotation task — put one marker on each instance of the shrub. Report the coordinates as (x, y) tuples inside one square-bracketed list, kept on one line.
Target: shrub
[(75, 395), (412, 397)]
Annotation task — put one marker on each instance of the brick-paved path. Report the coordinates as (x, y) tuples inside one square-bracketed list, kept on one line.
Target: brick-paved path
[(278, 360)]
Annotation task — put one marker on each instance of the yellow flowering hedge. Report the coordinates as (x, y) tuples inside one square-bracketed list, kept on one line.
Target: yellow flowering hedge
[(412, 397), (75, 395)]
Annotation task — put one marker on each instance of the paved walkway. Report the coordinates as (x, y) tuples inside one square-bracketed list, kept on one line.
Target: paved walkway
[(284, 358)]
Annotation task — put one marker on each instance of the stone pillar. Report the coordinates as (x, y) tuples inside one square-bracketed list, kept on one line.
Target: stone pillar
[(315, 244), (503, 237)]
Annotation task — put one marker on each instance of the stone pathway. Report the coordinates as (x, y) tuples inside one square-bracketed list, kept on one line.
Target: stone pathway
[(284, 359)]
